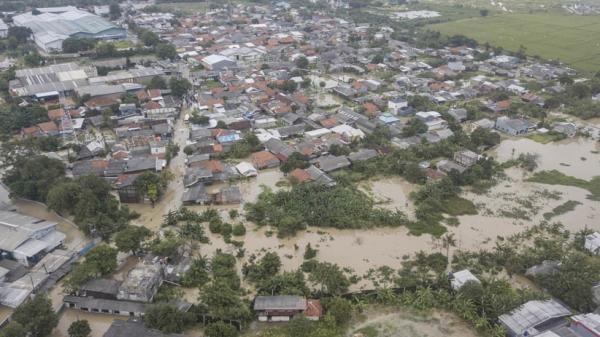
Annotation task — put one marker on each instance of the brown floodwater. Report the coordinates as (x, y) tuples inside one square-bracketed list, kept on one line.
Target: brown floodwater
[(99, 323), (578, 157)]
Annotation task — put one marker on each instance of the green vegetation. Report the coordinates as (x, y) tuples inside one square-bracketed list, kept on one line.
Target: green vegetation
[(456, 206), (167, 318), (568, 43), (35, 317), (555, 177), (79, 328), (342, 206), (563, 208), (151, 185), (130, 239), (546, 138), (99, 261), (33, 177), (89, 199)]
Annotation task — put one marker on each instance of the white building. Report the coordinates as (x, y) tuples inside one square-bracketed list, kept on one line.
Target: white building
[(348, 133), (396, 105), (56, 24), (246, 169), (217, 62), (3, 29)]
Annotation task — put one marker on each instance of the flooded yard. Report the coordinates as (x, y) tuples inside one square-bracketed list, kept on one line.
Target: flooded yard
[(405, 323), (99, 323)]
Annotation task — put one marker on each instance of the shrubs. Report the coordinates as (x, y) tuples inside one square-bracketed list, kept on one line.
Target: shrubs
[(239, 230)]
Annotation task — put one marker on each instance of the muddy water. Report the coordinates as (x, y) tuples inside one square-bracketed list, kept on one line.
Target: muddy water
[(404, 323), (371, 248), (393, 193), (574, 157), (99, 323)]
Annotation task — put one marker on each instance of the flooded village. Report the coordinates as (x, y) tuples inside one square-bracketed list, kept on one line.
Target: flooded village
[(287, 169)]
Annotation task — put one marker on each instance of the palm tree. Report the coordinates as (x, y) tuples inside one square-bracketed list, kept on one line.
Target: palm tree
[(448, 241)]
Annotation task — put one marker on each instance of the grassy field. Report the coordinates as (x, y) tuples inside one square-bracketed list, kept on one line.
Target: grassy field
[(570, 39)]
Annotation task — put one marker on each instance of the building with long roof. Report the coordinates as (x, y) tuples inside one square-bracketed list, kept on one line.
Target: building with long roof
[(54, 25), (534, 317)]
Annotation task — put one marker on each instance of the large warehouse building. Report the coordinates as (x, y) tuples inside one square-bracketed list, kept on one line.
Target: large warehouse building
[(54, 25)]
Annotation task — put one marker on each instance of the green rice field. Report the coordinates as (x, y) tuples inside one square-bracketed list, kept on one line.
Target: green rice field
[(572, 39)]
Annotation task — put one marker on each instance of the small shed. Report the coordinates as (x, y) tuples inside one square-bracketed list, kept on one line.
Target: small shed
[(460, 278)]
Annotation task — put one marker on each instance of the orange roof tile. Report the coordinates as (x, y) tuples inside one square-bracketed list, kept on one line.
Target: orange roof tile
[(300, 175)]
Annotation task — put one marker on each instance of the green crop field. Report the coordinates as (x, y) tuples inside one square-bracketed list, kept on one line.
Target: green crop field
[(572, 39)]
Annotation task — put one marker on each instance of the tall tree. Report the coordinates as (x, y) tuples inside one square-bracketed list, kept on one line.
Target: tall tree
[(79, 328), (33, 177), (130, 239), (37, 316)]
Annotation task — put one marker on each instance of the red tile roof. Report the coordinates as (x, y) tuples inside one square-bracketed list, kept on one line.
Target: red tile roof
[(300, 175)]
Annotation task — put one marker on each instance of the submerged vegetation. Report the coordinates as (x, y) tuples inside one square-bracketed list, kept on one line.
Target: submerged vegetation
[(555, 177)]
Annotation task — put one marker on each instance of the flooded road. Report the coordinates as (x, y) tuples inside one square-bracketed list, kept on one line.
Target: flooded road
[(578, 157)]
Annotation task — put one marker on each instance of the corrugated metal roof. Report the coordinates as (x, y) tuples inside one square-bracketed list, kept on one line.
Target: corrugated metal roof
[(279, 303), (532, 314)]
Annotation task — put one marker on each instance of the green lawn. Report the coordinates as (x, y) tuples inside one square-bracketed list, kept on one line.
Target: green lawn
[(571, 39)]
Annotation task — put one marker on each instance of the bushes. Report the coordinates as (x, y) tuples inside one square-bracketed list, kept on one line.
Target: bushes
[(239, 230)]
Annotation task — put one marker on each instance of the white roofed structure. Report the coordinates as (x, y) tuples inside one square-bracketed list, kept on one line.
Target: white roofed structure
[(461, 277)]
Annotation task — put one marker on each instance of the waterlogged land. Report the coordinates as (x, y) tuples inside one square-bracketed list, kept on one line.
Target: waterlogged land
[(411, 324), (509, 207)]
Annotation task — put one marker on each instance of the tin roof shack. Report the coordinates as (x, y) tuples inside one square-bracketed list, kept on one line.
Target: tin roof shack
[(278, 308), (27, 239), (460, 278), (592, 243), (142, 283), (534, 317)]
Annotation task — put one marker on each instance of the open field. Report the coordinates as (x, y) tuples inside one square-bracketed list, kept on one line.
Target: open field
[(570, 39)]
